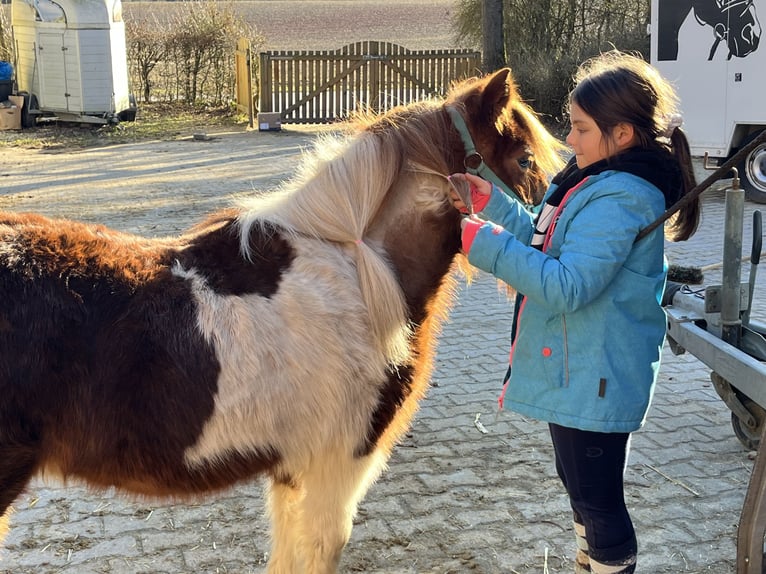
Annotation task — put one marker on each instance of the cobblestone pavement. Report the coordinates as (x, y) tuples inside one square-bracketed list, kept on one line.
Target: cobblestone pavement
[(455, 499)]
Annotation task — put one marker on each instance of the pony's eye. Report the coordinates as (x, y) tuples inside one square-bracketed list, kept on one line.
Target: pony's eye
[(525, 162)]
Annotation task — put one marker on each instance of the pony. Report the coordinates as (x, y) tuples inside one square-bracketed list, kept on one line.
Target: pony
[(290, 336), (733, 21)]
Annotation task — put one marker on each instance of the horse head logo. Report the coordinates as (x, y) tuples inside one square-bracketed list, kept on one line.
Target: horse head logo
[(733, 21)]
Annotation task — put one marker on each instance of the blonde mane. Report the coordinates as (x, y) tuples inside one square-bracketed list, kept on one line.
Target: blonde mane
[(334, 197)]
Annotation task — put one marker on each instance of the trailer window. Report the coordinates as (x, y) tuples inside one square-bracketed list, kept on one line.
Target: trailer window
[(49, 11)]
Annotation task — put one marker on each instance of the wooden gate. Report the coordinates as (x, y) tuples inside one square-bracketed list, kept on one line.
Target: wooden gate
[(324, 86)]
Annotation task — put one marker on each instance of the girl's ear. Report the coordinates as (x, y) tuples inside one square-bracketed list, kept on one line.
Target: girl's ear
[(624, 135)]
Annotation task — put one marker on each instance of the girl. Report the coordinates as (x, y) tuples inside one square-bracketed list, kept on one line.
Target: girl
[(588, 326)]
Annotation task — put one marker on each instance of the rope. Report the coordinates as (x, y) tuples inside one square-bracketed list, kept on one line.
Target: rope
[(692, 195)]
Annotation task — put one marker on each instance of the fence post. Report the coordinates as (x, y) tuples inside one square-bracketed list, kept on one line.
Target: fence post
[(265, 96), (244, 79)]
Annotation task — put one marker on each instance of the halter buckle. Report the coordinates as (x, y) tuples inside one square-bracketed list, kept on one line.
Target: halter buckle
[(473, 161)]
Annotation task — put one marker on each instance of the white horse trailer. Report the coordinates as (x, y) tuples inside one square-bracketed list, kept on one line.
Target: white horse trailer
[(710, 50), (71, 61)]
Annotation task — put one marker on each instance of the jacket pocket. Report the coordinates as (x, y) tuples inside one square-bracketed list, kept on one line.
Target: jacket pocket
[(552, 351)]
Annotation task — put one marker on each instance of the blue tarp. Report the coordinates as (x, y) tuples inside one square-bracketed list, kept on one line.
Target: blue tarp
[(6, 71)]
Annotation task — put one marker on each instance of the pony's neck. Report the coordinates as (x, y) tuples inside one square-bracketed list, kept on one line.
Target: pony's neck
[(419, 234)]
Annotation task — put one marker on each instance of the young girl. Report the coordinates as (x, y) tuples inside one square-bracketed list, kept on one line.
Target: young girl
[(588, 326)]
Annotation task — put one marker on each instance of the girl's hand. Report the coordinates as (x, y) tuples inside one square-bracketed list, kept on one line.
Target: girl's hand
[(469, 193), (478, 185), (469, 227), (468, 221), (460, 193)]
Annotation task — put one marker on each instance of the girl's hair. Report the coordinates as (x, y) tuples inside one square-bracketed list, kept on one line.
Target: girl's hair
[(617, 87)]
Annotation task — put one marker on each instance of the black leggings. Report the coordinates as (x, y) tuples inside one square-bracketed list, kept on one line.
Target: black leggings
[(591, 466)]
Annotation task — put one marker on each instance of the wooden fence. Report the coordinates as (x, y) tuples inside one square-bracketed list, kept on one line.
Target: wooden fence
[(324, 86)]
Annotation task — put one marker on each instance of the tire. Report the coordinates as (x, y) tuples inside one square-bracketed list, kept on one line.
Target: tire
[(129, 115), (28, 119), (752, 171), (749, 437)]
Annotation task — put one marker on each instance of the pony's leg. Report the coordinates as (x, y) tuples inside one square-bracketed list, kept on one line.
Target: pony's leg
[(284, 509), (4, 523), (334, 486)]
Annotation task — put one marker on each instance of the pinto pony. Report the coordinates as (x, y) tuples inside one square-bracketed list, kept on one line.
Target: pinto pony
[(290, 337)]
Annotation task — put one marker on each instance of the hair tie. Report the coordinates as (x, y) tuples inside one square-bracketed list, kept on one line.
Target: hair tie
[(674, 121), (358, 241)]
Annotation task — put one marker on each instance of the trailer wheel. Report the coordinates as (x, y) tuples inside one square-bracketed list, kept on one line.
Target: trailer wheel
[(752, 171), (129, 115), (28, 118), (750, 437)]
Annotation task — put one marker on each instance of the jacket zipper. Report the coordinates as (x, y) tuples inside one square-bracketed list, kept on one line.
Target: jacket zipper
[(546, 244)]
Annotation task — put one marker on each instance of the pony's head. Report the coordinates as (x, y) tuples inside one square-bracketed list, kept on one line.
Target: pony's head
[(507, 135), (481, 124)]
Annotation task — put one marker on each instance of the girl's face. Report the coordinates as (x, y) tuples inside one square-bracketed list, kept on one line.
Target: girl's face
[(585, 137)]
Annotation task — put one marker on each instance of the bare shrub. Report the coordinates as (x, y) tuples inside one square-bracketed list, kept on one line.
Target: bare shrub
[(545, 40), (146, 48), (6, 45), (185, 51)]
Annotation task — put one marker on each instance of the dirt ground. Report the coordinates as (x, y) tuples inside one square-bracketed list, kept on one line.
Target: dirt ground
[(151, 188), (321, 25)]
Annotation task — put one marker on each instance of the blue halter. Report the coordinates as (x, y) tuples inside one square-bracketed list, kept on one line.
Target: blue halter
[(474, 158)]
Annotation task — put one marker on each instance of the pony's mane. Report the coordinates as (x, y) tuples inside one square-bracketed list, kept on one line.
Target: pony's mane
[(336, 193)]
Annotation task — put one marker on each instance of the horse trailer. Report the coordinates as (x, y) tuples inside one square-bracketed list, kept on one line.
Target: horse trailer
[(710, 50), (71, 60)]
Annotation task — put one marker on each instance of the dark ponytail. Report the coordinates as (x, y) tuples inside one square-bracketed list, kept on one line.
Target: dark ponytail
[(684, 223)]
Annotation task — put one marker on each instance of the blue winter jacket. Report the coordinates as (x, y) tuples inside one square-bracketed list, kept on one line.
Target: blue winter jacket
[(590, 326)]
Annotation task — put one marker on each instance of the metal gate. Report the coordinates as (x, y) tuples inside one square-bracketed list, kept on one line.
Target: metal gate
[(324, 86)]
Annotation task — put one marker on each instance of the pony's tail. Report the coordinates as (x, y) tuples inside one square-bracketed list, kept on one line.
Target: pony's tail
[(685, 222)]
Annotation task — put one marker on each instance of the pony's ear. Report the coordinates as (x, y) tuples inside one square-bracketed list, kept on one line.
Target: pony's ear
[(497, 92)]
